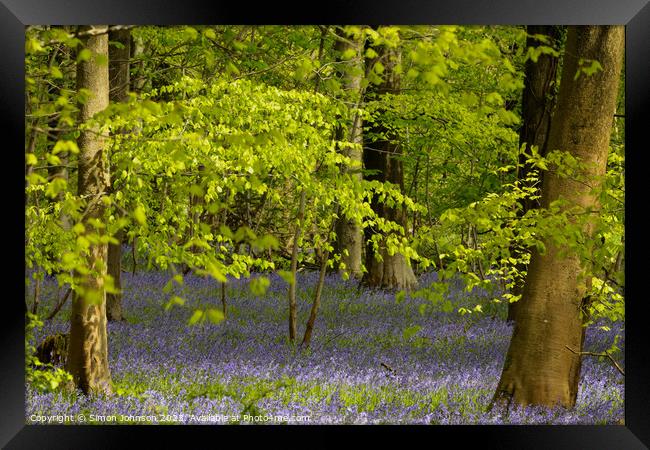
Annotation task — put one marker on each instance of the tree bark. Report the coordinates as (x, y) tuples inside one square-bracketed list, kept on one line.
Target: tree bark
[(37, 294), (293, 308), (306, 340), (538, 101), (349, 237), (382, 153), (224, 304), (88, 353), (118, 71), (539, 369)]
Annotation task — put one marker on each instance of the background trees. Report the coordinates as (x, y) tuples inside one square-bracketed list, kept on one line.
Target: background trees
[(381, 158), (119, 80), (538, 101)]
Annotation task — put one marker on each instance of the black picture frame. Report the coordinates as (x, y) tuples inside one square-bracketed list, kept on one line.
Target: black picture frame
[(635, 14)]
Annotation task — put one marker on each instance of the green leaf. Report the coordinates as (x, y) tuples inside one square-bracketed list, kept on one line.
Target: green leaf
[(215, 315), (33, 46), (349, 54), (56, 72), (215, 272), (411, 331), (175, 300), (370, 53), (168, 286), (196, 190), (239, 45), (266, 242), (190, 33), (84, 55), (101, 60), (78, 228), (231, 68), (196, 316), (139, 215), (286, 276), (259, 286)]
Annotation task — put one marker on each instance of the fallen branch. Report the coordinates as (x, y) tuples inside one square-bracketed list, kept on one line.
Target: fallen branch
[(605, 354)]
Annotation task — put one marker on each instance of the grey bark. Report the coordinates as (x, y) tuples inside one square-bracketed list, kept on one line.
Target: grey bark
[(88, 353), (382, 154), (543, 362), (349, 237)]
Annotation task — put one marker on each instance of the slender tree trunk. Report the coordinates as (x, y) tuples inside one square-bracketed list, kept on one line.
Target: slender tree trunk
[(349, 237), (37, 295), (618, 266), (382, 154), (137, 83), (60, 304), (306, 340), (118, 71), (539, 368), (293, 313), (538, 100), (134, 261), (88, 352), (223, 300)]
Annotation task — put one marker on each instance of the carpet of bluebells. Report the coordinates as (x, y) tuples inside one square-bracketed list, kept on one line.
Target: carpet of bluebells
[(361, 367)]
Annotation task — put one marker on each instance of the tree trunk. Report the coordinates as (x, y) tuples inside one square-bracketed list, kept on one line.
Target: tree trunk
[(306, 340), (539, 368), (382, 154), (37, 294), (88, 355), (349, 238), (118, 71), (293, 308), (224, 304), (138, 81), (538, 100)]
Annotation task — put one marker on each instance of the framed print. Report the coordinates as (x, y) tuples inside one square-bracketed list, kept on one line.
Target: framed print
[(361, 218)]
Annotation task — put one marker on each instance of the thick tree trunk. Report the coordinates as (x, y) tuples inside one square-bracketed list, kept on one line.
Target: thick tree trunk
[(538, 100), (88, 353), (382, 154), (539, 368), (118, 71), (349, 238)]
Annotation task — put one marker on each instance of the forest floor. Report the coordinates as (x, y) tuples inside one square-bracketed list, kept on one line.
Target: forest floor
[(361, 367)]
